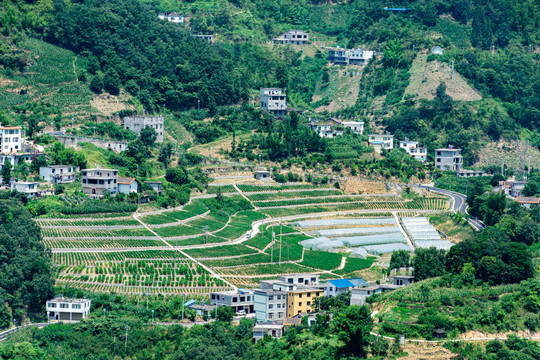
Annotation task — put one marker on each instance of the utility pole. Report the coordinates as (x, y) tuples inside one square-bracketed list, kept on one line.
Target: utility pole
[(452, 73), (280, 237)]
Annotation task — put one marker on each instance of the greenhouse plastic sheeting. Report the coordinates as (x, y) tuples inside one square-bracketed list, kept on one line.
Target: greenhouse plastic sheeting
[(386, 248), (373, 239), (359, 253), (345, 222), (412, 220), (358, 231), (439, 244), (434, 236)]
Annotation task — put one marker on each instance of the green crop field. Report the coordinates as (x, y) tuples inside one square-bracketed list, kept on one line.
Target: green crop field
[(178, 230), (261, 188), (243, 260), (92, 258), (266, 269), (89, 222), (220, 251), (355, 264), (221, 188), (321, 260), (199, 240), (327, 200), (58, 243), (97, 233)]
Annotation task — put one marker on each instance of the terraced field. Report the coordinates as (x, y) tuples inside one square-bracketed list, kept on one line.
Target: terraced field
[(212, 249)]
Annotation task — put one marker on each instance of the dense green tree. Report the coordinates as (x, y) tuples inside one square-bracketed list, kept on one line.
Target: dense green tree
[(177, 175), (428, 263), (165, 155), (6, 172), (399, 259), (148, 136), (353, 327)]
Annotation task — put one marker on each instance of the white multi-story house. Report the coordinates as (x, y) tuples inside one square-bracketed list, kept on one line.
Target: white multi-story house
[(412, 148), (26, 187), (274, 101), (137, 123), (173, 17), (10, 139), (68, 310), (292, 37), (339, 56), (449, 159), (127, 185), (381, 141), (360, 56), (270, 301), (58, 174), (240, 300), (96, 181), (15, 158), (357, 127)]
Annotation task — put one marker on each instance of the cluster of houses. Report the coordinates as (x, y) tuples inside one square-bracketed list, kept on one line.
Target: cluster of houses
[(512, 188), (340, 56), (278, 304)]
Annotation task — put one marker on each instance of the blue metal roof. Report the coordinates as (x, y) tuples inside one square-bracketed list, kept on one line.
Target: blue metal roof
[(341, 283), (358, 282), (190, 302)]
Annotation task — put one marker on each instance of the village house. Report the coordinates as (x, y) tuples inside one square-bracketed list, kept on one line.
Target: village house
[(137, 123), (240, 300), (16, 158), (58, 174), (528, 201), (449, 159), (127, 185), (359, 295), (26, 187), (339, 56), (208, 38), (381, 141), (357, 127), (96, 181), (412, 148), (272, 330), (262, 175), (338, 286), (157, 186), (67, 310), (292, 37), (10, 139), (173, 17), (403, 280), (273, 100)]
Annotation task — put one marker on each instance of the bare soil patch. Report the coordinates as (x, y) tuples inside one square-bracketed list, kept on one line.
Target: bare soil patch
[(108, 104)]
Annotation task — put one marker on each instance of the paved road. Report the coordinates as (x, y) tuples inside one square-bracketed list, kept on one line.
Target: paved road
[(460, 204)]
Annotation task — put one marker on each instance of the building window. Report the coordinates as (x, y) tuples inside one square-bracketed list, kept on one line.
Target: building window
[(308, 303), (64, 306), (300, 304), (271, 306), (234, 299), (76, 306), (299, 296), (53, 305), (271, 298), (308, 295)]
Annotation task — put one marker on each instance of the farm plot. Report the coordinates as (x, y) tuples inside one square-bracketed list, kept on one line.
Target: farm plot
[(176, 231), (290, 249), (291, 194), (212, 222), (95, 233), (265, 269), (327, 200), (92, 258), (418, 204), (165, 218), (220, 251), (199, 240), (321, 260), (78, 216), (239, 224), (355, 264), (196, 206), (58, 243), (153, 273), (89, 222), (214, 189), (241, 260), (260, 240), (262, 188)]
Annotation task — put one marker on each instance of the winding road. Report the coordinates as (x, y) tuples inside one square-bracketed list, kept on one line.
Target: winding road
[(460, 204)]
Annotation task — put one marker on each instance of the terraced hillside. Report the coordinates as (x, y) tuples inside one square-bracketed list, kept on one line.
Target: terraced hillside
[(193, 249)]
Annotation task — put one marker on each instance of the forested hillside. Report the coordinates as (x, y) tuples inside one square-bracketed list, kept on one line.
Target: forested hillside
[(123, 45)]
